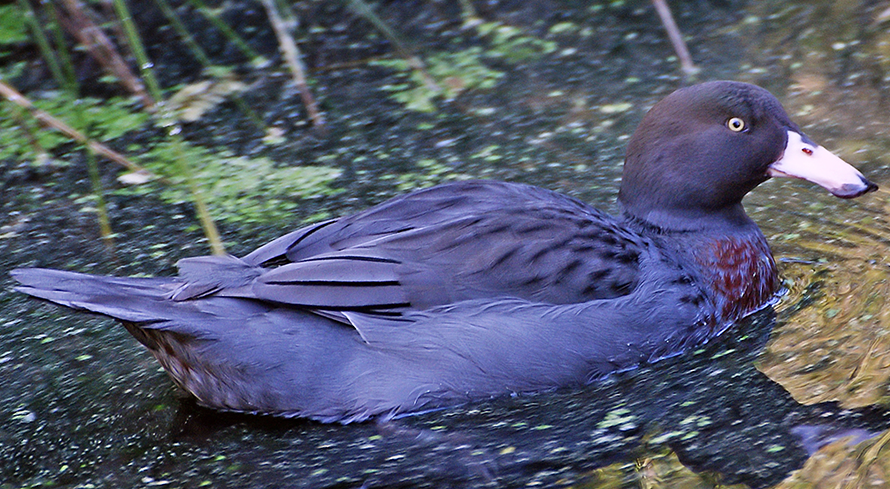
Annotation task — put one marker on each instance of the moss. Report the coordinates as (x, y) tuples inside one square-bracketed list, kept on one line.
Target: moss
[(429, 172), (453, 72), (13, 28), (238, 189), (467, 69), (103, 120)]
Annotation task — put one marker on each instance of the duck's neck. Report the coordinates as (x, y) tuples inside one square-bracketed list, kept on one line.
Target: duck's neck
[(733, 257)]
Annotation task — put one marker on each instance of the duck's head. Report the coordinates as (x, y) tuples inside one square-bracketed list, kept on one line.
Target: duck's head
[(701, 149)]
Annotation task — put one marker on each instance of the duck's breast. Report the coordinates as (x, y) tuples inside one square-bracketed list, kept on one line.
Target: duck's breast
[(740, 271)]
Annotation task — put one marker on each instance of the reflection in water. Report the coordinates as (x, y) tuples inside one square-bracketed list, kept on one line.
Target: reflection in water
[(711, 407), (831, 343)]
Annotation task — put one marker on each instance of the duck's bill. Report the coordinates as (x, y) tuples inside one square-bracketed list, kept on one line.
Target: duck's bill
[(808, 161)]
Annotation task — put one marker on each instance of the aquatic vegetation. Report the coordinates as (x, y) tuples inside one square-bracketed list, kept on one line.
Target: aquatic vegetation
[(104, 119), (13, 28), (429, 172), (512, 43), (240, 189), (455, 71), (464, 69)]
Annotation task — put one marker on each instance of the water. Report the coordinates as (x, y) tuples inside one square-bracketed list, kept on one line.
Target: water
[(83, 405)]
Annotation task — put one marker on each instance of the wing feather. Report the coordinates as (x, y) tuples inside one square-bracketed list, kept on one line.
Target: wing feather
[(455, 242)]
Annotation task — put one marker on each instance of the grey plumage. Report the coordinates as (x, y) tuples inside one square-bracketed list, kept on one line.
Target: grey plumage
[(477, 289)]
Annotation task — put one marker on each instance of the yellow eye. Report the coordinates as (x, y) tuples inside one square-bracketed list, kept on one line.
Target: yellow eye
[(735, 124)]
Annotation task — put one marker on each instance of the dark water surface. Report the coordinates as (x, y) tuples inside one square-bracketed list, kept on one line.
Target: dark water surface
[(82, 404)]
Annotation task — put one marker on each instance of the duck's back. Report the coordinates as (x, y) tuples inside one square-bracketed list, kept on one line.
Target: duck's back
[(462, 241)]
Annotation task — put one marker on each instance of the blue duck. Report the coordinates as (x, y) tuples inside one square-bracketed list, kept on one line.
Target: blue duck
[(477, 289)]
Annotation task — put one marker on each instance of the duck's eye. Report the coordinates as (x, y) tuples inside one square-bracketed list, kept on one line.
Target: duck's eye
[(735, 124)]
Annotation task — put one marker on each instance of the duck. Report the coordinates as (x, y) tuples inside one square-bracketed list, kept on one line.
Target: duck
[(477, 289)]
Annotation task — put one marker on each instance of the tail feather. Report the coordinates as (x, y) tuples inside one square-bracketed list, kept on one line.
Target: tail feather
[(138, 300), (222, 350)]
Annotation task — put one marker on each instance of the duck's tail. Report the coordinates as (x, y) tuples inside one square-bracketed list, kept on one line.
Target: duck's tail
[(131, 299), (214, 348)]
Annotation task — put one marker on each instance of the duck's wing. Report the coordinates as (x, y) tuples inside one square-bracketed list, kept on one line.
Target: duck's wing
[(466, 241)]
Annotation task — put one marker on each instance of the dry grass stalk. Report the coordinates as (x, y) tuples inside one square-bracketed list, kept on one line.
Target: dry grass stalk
[(292, 57), (100, 47)]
